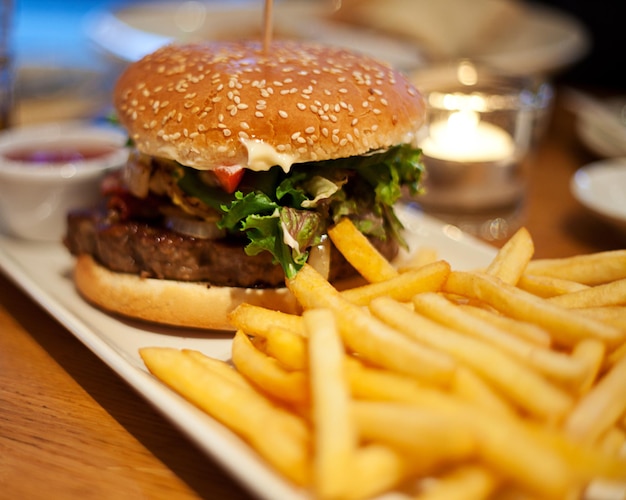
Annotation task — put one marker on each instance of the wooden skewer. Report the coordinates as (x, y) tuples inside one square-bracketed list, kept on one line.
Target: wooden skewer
[(267, 25)]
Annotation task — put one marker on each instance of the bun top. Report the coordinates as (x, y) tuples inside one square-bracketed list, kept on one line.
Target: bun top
[(225, 103)]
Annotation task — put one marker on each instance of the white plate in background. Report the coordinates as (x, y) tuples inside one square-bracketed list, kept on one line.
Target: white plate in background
[(601, 188), (543, 41), (132, 32)]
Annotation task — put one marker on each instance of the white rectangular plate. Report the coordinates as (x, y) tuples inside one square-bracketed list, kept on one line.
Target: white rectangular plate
[(44, 271)]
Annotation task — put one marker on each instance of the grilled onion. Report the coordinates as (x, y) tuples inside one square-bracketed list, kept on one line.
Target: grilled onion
[(192, 226)]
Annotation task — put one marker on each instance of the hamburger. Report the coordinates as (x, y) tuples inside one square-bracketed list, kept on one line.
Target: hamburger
[(241, 159)]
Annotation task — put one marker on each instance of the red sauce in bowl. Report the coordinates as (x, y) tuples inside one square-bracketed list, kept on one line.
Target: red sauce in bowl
[(55, 154)]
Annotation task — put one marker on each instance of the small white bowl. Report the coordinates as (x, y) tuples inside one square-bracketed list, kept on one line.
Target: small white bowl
[(47, 170), (601, 187)]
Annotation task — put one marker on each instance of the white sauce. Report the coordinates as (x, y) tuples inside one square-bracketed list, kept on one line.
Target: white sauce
[(262, 156)]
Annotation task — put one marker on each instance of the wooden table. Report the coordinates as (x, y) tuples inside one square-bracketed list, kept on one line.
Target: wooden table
[(71, 428)]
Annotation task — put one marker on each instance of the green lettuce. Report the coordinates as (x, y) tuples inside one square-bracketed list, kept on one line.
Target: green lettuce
[(287, 214)]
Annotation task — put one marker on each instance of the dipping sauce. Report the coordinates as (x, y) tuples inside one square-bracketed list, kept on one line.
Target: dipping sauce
[(58, 153)]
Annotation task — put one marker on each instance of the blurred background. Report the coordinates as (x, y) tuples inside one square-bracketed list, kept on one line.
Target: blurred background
[(68, 53)]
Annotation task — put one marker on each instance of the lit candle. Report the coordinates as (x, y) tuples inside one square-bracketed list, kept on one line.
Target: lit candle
[(463, 137)]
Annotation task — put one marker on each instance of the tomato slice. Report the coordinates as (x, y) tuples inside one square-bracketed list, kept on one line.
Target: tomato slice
[(229, 176)]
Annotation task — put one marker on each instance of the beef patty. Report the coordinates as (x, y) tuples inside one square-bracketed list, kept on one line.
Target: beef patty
[(156, 252)]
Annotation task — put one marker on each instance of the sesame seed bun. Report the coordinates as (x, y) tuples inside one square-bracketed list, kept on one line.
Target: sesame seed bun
[(204, 104), (222, 104)]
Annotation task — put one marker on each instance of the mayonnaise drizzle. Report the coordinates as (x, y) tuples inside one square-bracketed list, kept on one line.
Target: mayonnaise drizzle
[(262, 156)]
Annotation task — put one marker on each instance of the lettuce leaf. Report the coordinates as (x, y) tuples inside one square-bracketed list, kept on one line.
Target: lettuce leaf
[(287, 214)]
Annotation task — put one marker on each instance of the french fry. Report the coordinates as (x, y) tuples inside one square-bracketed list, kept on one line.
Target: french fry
[(359, 252), (267, 374), (335, 438), (614, 315), (512, 258), (613, 441), (280, 437), (540, 447), (376, 469), (555, 365), (511, 379), (470, 482), (600, 408), (402, 287), (525, 331), (608, 294), (288, 348), (258, 321), (475, 390), (523, 386), (591, 353), (547, 286), (567, 327), (498, 435), (615, 357), (220, 368), (429, 437), (369, 337), (590, 269)]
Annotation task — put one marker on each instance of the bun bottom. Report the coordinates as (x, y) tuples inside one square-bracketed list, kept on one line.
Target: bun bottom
[(177, 303)]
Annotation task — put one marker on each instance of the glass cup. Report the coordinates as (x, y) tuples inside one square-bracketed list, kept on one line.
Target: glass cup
[(6, 63), (479, 131)]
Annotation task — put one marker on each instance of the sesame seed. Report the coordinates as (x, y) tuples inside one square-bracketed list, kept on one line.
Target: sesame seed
[(283, 114)]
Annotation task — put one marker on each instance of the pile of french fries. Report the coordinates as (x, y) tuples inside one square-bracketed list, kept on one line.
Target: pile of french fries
[(507, 382)]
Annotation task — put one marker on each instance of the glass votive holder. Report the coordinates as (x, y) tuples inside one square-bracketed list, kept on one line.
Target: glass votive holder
[(474, 145)]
